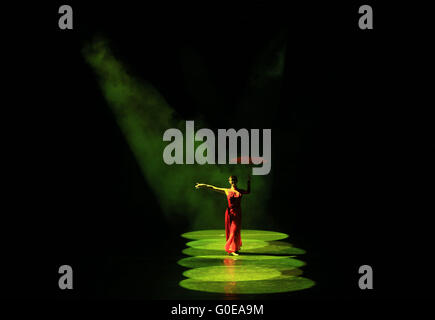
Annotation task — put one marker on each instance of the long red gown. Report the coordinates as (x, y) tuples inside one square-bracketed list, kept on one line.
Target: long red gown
[(233, 222)]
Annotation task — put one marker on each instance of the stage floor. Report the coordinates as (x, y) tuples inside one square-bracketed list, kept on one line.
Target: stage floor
[(268, 267)]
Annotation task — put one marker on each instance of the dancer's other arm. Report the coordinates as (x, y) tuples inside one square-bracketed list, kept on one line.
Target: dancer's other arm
[(208, 186), (247, 191)]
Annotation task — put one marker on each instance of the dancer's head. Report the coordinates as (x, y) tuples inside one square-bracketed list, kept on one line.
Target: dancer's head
[(233, 181)]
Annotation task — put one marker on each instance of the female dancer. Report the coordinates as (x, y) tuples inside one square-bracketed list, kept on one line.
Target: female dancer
[(233, 214)]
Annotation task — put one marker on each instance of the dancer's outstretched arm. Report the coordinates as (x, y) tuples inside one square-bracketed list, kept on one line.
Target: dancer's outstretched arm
[(208, 186)]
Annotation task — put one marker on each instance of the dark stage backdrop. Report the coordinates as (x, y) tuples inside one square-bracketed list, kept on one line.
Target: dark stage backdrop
[(352, 153)]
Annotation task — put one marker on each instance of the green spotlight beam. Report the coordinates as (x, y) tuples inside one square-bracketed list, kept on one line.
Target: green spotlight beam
[(143, 115)]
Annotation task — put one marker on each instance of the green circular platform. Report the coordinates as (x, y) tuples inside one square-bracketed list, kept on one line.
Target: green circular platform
[(246, 234), (278, 262), (219, 244), (216, 247), (232, 273), (276, 285)]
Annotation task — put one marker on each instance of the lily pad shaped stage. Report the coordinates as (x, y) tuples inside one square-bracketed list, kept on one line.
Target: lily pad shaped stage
[(266, 264)]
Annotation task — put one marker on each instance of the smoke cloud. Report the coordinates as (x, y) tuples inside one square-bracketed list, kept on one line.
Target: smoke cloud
[(143, 115)]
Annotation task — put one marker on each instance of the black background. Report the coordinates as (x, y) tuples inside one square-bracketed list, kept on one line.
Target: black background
[(353, 188)]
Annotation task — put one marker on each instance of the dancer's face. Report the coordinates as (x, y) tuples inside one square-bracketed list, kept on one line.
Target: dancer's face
[(233, 182)]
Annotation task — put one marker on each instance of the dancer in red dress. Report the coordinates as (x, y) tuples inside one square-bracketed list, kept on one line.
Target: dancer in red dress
[(233, 214)]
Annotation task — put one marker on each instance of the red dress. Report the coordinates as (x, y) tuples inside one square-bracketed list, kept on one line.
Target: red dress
[(233, 221)]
